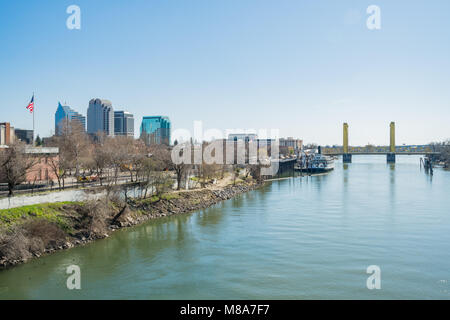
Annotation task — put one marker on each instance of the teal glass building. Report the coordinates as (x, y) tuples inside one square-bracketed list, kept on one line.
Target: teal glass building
[(155, 130)]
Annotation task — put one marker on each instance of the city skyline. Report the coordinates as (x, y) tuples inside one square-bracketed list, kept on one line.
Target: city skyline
[(296, 67)]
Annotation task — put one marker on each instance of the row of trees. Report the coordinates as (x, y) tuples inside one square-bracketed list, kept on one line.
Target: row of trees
[(105, 157), (444, 149), (108, 159)]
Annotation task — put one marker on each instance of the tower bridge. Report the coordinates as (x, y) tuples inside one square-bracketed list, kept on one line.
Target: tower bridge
[(390, 151)]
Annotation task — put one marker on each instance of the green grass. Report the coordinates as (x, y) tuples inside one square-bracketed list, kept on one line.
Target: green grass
[(52, 212), (153, 199), (170, 196), (167, 196), (150, 200)]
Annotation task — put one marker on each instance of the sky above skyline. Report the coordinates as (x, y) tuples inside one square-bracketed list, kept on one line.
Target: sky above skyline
[(303, 67)]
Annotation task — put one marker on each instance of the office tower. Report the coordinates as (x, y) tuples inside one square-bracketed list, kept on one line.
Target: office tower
[(155, 130), (65, 114), (123, 124), (100, 117)]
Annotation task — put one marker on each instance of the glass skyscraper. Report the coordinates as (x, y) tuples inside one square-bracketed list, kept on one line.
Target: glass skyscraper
[(123, 124), (67, 113), (155, 130)]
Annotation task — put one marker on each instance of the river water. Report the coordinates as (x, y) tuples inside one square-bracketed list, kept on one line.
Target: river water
[(301, 238)]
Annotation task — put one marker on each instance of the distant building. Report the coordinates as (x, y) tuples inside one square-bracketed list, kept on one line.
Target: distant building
[(7, 133), (100, 117), (155, 130), (242, 137), (290, 146), (24, 135), (123, 124), (42, 169), (294, 144), (67, 113), (242, 148)]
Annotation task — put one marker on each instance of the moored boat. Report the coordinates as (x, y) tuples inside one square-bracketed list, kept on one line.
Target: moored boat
[(314, 163)]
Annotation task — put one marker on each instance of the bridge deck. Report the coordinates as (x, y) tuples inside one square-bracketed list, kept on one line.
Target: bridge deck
[(382, 153)]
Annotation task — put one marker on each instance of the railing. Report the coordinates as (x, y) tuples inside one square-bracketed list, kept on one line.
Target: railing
[(419, 149), (70, 184)]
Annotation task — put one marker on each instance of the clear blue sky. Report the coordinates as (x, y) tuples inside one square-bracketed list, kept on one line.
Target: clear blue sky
[(303, 67)]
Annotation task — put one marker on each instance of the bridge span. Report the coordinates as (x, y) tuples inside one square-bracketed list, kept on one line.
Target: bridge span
[(390, 151)]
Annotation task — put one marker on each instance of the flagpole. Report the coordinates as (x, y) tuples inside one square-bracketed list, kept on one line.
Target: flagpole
[(34, 110)]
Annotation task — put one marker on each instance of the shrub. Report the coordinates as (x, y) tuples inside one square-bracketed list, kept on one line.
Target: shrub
[(31, 238), (95, 218), (14, 246)]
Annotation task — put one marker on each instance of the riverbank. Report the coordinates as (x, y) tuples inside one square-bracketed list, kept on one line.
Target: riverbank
[(32, 231)]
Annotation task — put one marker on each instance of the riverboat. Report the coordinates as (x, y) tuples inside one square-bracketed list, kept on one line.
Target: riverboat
[(314, 163)]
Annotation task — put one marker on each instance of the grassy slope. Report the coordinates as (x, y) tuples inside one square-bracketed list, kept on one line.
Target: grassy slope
[(52, 212)]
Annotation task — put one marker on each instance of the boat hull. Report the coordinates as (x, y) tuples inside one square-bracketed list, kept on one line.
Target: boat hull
[(313, 170)]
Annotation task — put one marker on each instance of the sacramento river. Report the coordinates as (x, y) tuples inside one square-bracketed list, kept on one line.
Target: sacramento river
[(301, 238)]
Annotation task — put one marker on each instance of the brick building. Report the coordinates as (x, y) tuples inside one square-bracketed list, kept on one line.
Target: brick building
[(42, 170), (7, 133)]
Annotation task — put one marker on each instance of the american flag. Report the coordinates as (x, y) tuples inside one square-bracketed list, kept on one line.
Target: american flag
[(31, 105)]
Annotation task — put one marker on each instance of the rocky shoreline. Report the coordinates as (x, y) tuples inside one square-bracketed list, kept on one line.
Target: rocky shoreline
[(135, 212)]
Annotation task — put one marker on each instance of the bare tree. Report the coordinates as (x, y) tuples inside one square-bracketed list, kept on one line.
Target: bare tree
[(138, 153), (180, 171), (236, 172), (15, 164), (119, 149), (74, 144), (255, 172), (444, 151), (148, 167), (207, 172), (101, 159), (154, 170), (60, 167), (161, 182)]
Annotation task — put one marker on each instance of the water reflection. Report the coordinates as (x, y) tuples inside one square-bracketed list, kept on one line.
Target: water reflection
[(212, 216), (392, 193)]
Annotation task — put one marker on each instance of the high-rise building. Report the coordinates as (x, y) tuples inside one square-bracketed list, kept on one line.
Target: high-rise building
[(123, 124), (155, 130), (66, 113), (24, 135), (100, 117), (7, 134)]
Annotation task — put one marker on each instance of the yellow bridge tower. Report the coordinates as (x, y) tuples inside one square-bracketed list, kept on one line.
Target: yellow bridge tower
[(391, 154), (346, 157)]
